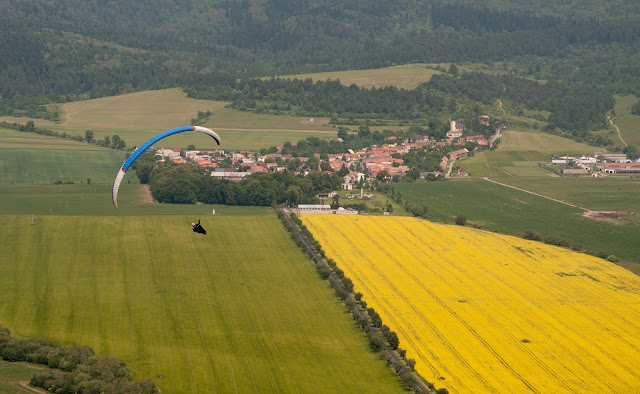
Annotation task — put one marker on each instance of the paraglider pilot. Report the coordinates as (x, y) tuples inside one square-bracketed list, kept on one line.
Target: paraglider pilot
[(197, 228)]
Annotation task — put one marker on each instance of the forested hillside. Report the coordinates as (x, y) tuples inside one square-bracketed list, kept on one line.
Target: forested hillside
[(74, 49)]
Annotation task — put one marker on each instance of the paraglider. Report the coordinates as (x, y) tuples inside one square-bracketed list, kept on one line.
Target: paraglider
[(197, 228), (146, 145)]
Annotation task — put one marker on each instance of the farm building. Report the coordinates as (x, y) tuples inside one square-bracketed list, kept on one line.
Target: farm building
[(622, 168), (574, 171)]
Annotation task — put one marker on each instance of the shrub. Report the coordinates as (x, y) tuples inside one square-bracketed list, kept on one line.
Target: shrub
[(375, 341), (324, 271), (533, 235)]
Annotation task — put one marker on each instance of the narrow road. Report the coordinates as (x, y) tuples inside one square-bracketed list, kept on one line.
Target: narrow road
[(536, 194), (617, 130)]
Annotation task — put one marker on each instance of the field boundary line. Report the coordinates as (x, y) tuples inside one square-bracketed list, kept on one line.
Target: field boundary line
[(536, 194)]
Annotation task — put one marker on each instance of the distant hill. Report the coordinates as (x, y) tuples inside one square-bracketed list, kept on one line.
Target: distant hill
[(67, 50), (74, 47)]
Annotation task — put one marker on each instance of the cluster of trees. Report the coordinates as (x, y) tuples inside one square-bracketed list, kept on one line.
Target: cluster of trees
[(72, 370), (113, 142), (187, 184), (326, 98), (202, 117)]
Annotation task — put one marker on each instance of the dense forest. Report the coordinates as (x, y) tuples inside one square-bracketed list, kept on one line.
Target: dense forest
[(76, 49)]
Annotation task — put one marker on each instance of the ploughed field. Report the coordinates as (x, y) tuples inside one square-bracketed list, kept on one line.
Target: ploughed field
[(241, 309), (484, 312)]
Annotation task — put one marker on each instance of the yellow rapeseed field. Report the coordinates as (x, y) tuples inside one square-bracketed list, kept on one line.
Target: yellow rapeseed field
[(484, 312)]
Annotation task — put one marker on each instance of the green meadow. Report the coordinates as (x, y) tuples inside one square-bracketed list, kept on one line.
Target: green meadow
[(136, 117), (498, 208), (520, 154), (11, 374), (628, 123), (241, 309), (406, 76), (24, 166), (597, 194), (12, 139), (518, 139), (29, 158)]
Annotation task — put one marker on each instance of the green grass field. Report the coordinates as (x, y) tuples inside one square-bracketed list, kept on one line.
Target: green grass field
[(519, 154), (499, 208), (238, 310), (136, 117), (628, 123), (24, 166), (12, 139), (406, 76), (518, 139), (598, 194), (11, 374)]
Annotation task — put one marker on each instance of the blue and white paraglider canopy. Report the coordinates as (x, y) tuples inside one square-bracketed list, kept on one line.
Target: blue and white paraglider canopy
[(146, 145)]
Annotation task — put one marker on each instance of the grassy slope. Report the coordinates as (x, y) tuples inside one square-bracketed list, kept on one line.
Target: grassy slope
[(10, 376), (628, 123), (136, 117), (191, 312), (27, 158), (519, 153), (598, 194), (406, 76), (12, 139), (23, 166)]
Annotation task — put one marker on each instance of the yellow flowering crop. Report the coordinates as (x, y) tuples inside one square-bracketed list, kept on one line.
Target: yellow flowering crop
[(484, 312)]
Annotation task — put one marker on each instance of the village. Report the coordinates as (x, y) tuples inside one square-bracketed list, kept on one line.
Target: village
[(381, 162), (384, 161)]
